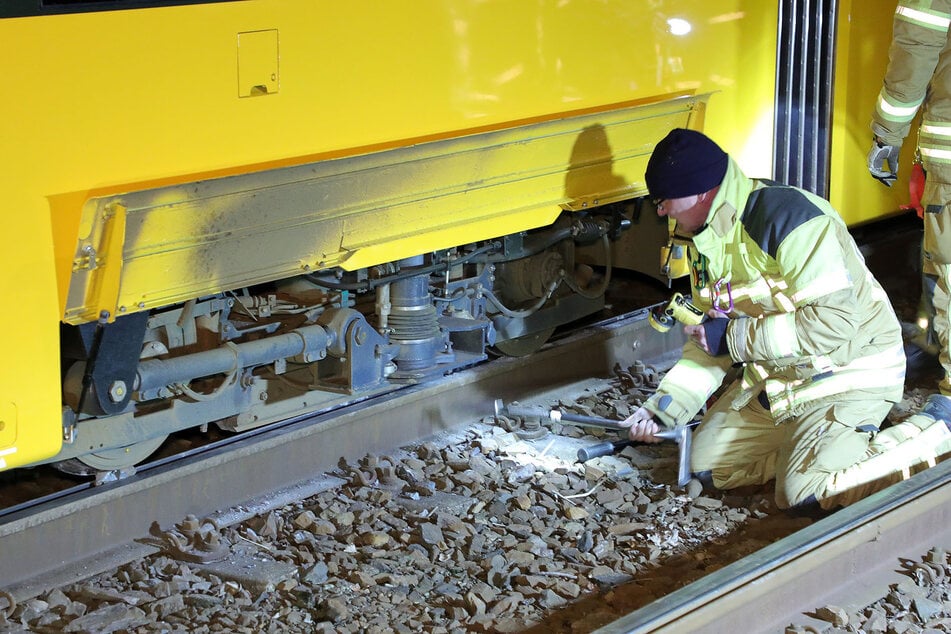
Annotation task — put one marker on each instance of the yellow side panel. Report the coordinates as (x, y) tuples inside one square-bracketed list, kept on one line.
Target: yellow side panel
[(861, 58), (155, 247), (128, 100), (30, 411)]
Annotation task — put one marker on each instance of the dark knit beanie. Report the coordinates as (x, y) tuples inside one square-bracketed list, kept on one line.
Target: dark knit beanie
[(684, 163)]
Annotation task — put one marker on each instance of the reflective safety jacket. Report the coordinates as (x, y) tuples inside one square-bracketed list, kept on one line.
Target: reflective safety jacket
[(808, 322), (919, 57)]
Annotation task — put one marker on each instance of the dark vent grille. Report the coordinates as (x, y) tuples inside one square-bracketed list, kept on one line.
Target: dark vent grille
[(804, 80)]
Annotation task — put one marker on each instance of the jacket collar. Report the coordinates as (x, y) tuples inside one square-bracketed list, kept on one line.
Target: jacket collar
[(728, 204)]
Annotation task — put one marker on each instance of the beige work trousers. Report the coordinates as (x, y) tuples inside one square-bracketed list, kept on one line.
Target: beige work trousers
[(936, 263), (941, 300), (818, 454)]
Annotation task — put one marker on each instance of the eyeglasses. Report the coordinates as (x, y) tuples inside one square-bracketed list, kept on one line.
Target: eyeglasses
[(657, 202)]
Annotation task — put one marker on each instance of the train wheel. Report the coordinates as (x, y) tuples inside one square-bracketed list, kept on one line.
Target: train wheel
[(121, 457), (525, 345)]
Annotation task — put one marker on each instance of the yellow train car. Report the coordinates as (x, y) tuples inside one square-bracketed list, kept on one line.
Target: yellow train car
[(239, 211)]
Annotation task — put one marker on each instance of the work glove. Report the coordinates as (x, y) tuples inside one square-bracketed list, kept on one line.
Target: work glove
[(883, 162)]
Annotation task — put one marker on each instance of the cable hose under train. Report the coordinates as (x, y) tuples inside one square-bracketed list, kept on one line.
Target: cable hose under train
[(371, 284), (525, 312)]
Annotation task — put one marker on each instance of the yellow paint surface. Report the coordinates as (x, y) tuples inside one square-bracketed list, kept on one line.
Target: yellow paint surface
[(864, 37)]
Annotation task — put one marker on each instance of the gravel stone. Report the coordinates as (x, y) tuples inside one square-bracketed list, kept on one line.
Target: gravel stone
[(478, 531), (110, 618)]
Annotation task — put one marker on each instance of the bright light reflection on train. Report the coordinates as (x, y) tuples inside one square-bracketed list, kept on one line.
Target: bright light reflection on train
[(679, 26)]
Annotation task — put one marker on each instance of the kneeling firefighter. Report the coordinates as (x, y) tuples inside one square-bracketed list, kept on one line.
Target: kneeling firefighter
[(789, 299)]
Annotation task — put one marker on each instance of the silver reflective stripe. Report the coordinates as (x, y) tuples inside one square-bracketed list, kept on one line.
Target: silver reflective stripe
[(936, 129), (930, 20), (897, 111), (941, 155)]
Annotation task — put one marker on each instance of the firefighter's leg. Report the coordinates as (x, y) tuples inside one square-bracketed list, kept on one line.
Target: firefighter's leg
[(936, 265), (922, 333), (941, 299), (736, 448), (821, 442), (891, 455)]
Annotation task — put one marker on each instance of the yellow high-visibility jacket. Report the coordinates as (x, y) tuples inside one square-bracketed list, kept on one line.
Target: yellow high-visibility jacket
[(809, 322), (919, 57)]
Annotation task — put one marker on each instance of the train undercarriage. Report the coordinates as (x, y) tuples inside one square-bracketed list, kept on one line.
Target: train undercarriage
[(257, 355)]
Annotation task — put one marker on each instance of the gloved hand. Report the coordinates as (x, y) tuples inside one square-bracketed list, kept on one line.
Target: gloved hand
[(883, 162)]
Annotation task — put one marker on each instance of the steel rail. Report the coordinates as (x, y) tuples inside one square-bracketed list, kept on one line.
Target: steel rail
[(847, 558), (101, 527)]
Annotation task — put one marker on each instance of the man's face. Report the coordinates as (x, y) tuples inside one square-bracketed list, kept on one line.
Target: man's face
[(690, 212)]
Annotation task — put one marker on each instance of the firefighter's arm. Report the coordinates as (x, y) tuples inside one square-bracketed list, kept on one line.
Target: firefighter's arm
[(917, 41), (686, 388), (821, 313)]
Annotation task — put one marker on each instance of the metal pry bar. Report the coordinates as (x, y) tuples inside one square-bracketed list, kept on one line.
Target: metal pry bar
[(680, 435)]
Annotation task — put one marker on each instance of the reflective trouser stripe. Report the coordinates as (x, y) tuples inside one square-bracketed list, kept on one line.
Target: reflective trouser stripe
[(935, 128), (934, 142), (939, 155), (920, 446)]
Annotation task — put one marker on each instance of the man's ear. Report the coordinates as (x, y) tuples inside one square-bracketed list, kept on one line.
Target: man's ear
[(709, 194)]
